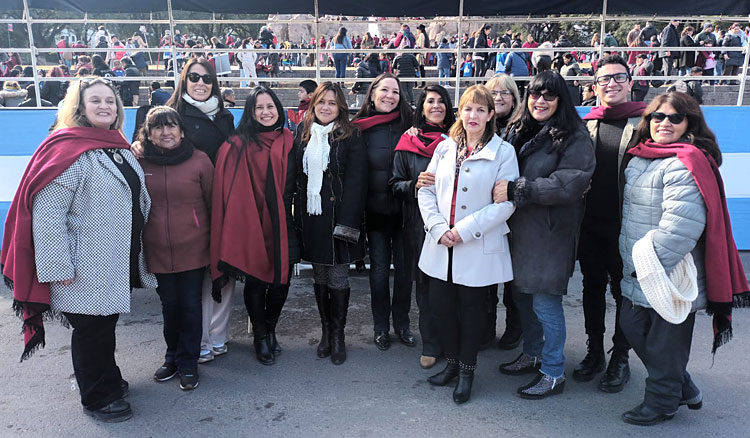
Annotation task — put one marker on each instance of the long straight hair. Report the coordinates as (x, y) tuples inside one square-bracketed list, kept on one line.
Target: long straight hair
[(248, 127), (343, 127), (177, 102), (419, 119)]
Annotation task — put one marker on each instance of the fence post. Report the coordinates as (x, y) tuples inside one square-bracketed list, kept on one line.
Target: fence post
[(316, 26), (458, 54), (38, 90), (741, 93)]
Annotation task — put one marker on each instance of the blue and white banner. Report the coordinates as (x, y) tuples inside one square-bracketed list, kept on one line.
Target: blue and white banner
[(24, 129)]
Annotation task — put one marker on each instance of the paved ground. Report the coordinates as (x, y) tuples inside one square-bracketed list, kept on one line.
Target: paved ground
[(374, 394)]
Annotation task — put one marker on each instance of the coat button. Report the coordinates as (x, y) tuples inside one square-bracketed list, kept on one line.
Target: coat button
[(463, 207), (197, 127), (467, 170), (477, 235), (333, 198), (426, 229), (463, 189)]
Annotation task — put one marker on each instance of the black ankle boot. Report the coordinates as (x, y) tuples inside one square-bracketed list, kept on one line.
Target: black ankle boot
[(339, 309), (323, 299), (262, 350), (275, 300), (444, 377), (617, 374), (593, 363), (462, 393), (273, 343)]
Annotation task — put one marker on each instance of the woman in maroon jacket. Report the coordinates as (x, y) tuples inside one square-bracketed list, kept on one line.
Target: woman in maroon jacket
[(176, 237)]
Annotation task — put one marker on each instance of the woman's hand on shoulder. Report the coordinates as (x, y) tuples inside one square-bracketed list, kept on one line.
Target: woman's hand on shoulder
[(412, 131), (137, 149)]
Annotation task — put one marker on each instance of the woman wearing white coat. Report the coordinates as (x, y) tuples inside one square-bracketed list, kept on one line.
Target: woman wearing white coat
[(466, 247)]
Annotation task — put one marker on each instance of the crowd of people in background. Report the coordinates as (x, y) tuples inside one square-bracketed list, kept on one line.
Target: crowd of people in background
[(483, 55)]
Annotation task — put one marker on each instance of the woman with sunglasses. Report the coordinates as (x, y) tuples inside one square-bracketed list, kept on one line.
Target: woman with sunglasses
[(72, 243), (208, 124), (413, 153), (556, 160), (465, 251), (675, 231), (506, 97), (384, 116), (329, 208), (252, 233)]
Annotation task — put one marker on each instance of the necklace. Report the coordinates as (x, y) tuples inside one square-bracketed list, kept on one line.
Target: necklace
[(117, 157)]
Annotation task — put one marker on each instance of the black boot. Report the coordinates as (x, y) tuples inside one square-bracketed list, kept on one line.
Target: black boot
[(617, 374), (339, 309), (444, 377), (274, 303), (462, 393), (262, 350), (594, 361), (323, 298)]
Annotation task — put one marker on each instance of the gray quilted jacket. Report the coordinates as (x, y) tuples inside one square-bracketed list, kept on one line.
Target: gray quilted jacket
[(81, 226), (661, 194)]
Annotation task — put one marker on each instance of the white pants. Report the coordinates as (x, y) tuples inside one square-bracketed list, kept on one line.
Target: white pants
[(216, 315), (249, 71)]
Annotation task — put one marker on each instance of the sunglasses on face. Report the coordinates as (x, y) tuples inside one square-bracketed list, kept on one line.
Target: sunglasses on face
[(548, 96), (194, 77), (618, 77), (675, 119)]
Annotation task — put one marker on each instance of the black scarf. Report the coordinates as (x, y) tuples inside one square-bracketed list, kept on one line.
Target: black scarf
[(168, 157)]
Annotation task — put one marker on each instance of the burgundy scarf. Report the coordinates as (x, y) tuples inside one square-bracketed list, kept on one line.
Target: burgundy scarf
[(622, 111), (243, 234), (424, 143), (56, 154), (726, 285), (365, 123)]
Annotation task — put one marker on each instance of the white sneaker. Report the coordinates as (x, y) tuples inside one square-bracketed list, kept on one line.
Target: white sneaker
[(220, 349)]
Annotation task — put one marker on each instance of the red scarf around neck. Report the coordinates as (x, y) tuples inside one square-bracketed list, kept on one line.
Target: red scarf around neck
[(622, 111), (424, 143), (55, 155), (726, 285), (245, 234), (365, 123)]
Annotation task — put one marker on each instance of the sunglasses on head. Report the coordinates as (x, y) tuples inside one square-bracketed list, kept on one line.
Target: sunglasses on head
[(194, 77), (675, 119), (548, 96)]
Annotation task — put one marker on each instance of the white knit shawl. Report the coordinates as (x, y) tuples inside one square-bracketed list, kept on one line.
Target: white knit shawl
[(314, 162), (670, 296)]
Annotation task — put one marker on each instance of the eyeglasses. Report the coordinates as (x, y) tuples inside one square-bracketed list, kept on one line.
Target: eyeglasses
[(504, 93), (618, 77), (207, 78), (675, 119), (548, 96)]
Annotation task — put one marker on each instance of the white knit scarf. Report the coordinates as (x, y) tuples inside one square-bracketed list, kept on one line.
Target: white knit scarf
[(314, 162), (209, 107), (671, 296)]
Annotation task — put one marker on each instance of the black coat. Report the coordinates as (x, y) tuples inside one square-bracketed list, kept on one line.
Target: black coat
[(380, 142), (342, 201), (687, 59), (549, 197), (206, 134), (406, 168), (669, 38)]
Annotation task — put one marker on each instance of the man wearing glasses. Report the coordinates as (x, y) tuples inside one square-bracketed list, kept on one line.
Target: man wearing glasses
[(611, 126)]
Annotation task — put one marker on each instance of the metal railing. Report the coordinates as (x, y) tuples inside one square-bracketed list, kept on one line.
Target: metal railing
[(457, 80)]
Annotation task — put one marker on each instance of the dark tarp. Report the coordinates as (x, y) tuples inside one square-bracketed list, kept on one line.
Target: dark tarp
[(409, 8)]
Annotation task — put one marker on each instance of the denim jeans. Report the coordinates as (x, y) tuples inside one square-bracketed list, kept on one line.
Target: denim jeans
[(384, 245), (543, 323), (181, 308), (339, 61), (444, 73)]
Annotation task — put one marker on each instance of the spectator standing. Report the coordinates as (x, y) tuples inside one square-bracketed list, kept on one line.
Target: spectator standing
[(643, 67), (340, 60), (248, 56), (130, 90), (687, 57), (405, 65), (732, 60), (65, 57), (359, 90), (422, 42), (481, 41), (669, 38), (634, 34), (648, 31), (444, 62)]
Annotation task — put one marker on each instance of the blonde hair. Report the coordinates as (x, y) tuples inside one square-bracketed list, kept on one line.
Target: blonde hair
[(475, 94), (505, 82), (70, 114)]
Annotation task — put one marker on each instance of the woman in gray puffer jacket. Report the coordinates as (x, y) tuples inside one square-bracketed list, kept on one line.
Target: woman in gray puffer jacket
[(666, 191)]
